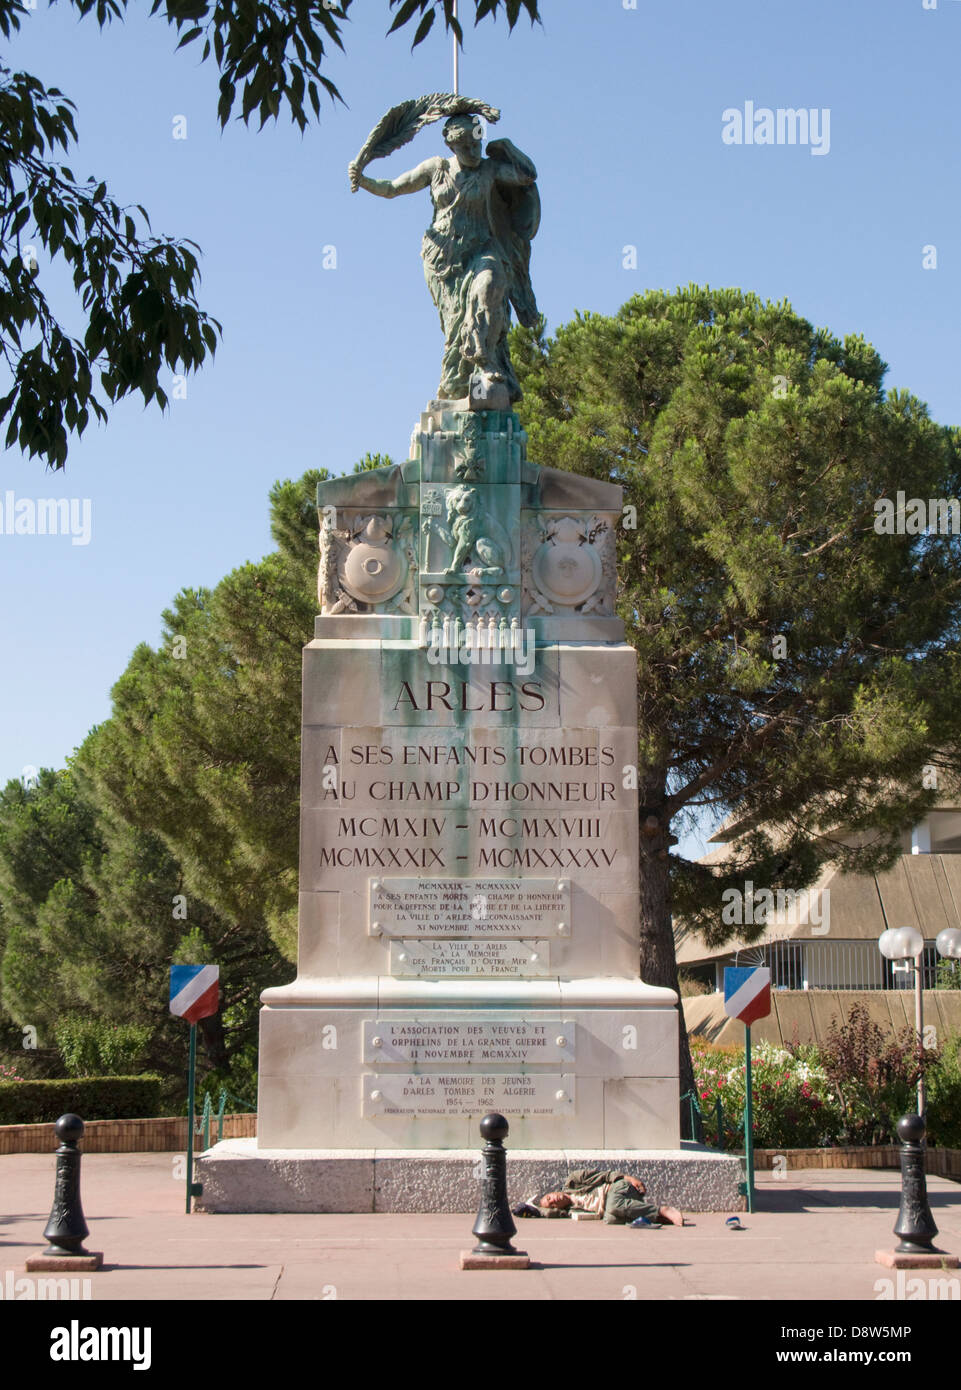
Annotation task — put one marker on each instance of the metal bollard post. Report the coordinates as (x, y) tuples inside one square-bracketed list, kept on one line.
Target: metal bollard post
[(495, 1224), (67, 1228), (915, 1224)]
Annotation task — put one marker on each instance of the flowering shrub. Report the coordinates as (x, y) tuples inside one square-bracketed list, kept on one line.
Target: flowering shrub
[(852, 1089), (874, 1075), (793, 1103), (8, 1073), (944, 1096)]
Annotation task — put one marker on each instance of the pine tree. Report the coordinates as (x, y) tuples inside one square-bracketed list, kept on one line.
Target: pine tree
[(93, 914), (173, 834), (203, 745), (796, 667)]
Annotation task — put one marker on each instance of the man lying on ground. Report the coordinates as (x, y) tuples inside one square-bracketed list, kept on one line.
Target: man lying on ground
[(616, 1197)]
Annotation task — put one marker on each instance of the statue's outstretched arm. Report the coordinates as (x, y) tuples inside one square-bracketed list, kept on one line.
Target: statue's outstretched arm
[(411, 182)]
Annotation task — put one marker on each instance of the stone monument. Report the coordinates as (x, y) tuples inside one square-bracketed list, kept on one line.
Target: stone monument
[(469, 936)]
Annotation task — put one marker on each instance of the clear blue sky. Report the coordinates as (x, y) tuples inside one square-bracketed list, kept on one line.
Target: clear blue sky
[(621, 109)]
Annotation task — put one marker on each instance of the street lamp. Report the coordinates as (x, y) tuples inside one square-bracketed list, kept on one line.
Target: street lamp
[(907, 943), (948, 943)]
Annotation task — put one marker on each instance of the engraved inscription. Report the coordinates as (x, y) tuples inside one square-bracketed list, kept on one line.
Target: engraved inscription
[(477, 1042), (477, 907), (409, 1093), (475, 958)]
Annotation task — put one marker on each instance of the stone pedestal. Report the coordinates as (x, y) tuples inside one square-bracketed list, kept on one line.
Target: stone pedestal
[(240, 1177), (469, 822), (469, 898)]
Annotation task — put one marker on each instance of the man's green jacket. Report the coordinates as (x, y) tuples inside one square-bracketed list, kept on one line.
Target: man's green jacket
[(623, 1204)]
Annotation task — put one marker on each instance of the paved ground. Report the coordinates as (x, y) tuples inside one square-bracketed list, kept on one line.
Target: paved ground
[(814, 1237)]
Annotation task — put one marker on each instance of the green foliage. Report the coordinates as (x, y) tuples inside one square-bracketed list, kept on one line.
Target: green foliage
[(791, 1098), (370, 461), (239, 1080), (173, 836), (91, 1047), (191, 949), (90, 1097), (275, 49), (948, 974), (753, 448), (48, 838), (797, 670), (427, 9), (91, 922), (138, 295), (202, 748), (852, 1089), (23, 1063), (943, 1092), (874, 1076)]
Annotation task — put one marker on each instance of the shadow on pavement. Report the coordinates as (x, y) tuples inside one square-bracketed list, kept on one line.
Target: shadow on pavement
[(804, 1199), (181, 1268)]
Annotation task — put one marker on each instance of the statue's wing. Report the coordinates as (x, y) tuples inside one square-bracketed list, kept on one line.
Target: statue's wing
[(523, 204), (402, 122)]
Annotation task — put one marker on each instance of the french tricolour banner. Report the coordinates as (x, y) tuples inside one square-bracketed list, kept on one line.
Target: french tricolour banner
[(194, 991), (747, 992)]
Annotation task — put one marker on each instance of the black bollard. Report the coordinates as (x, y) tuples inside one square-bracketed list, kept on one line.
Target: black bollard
[(494, 1225), (915, 1224), (67, 1229)]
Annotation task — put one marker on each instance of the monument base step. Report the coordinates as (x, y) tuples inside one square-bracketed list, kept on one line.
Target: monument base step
[(238, 1177)]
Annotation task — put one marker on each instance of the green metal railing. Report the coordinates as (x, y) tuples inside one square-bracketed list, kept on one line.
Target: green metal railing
[(204, 1126), (695, 1118), (207, 1115), (239, 1100)]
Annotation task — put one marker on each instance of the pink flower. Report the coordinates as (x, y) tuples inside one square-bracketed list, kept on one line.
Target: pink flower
[(705, 1095)]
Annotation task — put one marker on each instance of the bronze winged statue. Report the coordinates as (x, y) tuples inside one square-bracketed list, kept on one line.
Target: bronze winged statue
[(477, 249)]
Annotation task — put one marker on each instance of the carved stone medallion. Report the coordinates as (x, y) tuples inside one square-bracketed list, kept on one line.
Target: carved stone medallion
[(373, 569), (565, 568)]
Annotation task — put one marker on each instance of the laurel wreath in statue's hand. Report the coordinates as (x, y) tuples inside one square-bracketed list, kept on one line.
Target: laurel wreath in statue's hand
[(402, 123)]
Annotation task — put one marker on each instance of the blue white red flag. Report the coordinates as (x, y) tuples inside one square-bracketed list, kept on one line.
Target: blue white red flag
[(747, 992), (194, 991)]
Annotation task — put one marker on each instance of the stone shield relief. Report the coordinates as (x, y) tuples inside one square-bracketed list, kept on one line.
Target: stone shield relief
[(569, 563), (368, 563)]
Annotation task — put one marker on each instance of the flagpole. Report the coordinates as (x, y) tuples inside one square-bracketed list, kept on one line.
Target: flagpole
[(191, 1069), (456, 60), (748, 1120), (194, 994)]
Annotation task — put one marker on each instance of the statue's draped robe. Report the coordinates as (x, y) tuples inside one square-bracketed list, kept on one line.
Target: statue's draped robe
[(476, 254)]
